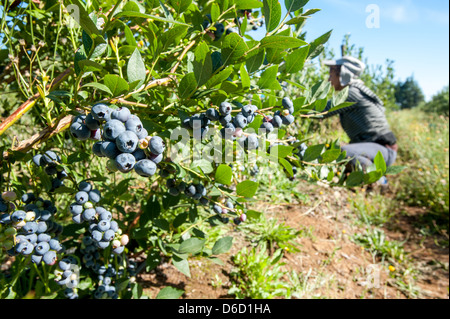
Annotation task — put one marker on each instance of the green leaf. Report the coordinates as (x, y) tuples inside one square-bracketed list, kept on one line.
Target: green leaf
[(191, 246), (180, 5), (136, 68), (340, 96), (247, 189), (129, 36), (81, 16), (77, 157), (310, 12), (180, 220), (233, 48), (340, 106), (394, 170), (90, 66), (354, 179), (296, 60), (287, 166), (153, 259), (247, 4), (317, 44), (222, 246), (281, 151), (182, 265), (217, 261), (202, 64), (224, 174), (217, 62), (330, 155), (215, 12), (253, 214), (320, 90), (170, 293), (379, 162), (281, 42), (152, 210), (133, 14), (313, 152), (87, 41), (272, 14), (254, 62), (245, 79), (269, 80), (99, 86), (80, 55), (219, 77), (116, 84), (173, 36), (188, 85), (373, 176), (296, 20), (294, 5), (202, 165)]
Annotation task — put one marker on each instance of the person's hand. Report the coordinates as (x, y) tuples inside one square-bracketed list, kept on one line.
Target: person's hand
[(393, 147)]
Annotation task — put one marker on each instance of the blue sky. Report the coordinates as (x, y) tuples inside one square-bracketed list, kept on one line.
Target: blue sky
[(412, 33)]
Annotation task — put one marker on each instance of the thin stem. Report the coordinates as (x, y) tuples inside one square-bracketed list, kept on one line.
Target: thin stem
[(197, 224)]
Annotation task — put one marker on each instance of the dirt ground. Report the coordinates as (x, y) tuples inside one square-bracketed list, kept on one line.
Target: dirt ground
[(332, 265)]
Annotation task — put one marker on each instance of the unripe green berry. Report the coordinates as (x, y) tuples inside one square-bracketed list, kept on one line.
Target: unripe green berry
[(88, 205), (7, 245), (11, 231)]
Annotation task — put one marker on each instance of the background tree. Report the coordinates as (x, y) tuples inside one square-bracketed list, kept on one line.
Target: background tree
[(439, 103), (408, 94)]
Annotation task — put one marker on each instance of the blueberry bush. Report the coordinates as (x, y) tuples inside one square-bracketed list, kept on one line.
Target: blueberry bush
[(127, 126)]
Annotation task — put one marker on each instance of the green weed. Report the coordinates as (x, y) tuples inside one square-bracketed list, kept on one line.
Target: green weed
[(258, 275), (276, 234)]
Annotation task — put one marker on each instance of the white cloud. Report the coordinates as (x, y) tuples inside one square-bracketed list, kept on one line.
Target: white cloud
[(404, 12), (408, 12)]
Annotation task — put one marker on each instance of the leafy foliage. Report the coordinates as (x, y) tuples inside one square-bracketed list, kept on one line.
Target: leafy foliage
[(167, 62), (439, 103), (408, 94)]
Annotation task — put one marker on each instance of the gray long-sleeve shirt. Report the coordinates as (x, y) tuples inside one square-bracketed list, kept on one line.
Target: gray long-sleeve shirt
[(364, 121)]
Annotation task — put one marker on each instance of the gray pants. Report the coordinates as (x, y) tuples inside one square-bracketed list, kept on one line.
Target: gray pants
[(364, 153)]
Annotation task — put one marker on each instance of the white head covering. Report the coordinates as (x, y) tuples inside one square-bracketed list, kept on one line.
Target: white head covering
[(351, 68)]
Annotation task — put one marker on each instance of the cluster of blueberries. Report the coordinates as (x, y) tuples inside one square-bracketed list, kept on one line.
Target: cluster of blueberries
[(104, 231), (223, 210), (195, 191), (219, 28), (254, 23), (233, 126), (67, 275), (92, 259), (300, 152), (30, 230), (124, 140), (49, 162), (254, 170), (198, 192), (279, 118), (68, 272), (106, 275), (300, 148)]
